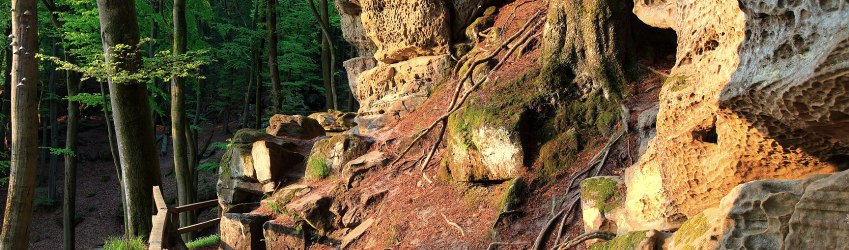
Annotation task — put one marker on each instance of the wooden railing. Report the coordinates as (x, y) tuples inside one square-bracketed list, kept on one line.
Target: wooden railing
[(165, 233)]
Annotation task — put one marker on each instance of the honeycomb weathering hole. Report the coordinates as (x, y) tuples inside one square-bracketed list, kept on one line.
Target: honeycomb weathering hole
[(707, 135), (839, 161)]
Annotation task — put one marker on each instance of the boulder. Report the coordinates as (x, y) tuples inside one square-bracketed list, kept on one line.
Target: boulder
[(294, 126), (314, 209), (821, 217), (793, 75), (242, 231), (480, 149), (355, 170), (706, 145), (272, 163), (390, 91), (255, 163), (285, 234), (601, 198), (330, 154), (335, 121), (423, 23)]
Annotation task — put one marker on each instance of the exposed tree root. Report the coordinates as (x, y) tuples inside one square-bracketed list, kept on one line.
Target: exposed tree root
[(462, 233), (455, 98), (585, 237), (494, 244)]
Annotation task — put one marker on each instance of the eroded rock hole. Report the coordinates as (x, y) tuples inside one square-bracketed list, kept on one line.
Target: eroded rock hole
[(839, 161), (707, 135)]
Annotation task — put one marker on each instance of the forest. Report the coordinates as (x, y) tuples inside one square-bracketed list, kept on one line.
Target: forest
[(152, 76), (424, 124)]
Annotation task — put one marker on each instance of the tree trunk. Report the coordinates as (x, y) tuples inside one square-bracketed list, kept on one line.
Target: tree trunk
[(54, 129), (271, 6), (19, 202), (113, 147), (179, 122), (68, 208), (259, 88), (131, 113), (324, 24)]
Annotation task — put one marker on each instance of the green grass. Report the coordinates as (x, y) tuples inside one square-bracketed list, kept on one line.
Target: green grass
[(207, 241), (119, 243)]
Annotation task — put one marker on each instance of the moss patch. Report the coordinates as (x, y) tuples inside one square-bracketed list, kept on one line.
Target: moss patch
[(512, 196), (625, 242), (317, 168), (602, 192), (676, 83), (690, 232)]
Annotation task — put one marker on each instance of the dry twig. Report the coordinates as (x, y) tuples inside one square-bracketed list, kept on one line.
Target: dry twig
[(462, 233)]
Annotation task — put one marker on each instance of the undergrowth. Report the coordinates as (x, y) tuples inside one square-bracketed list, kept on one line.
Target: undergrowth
[(207, 241), (120, 243)]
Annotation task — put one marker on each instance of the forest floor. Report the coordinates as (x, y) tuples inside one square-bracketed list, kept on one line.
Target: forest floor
[(98, 197)]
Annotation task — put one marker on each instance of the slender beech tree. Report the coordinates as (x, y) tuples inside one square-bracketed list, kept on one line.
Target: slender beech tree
[(179, 123), (72, 82), (24, 85), (328, 55), (131, 112), (274, 71)]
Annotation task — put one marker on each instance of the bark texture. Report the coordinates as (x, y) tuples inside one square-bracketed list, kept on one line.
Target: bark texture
[(271, 6), (24, 85), (132, 115)]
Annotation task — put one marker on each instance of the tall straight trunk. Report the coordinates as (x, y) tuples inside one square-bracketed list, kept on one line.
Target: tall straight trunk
[(19, 202), (131, 113), (259, 88), (179, 122), (326, 65), (53, 108), (271, 6), (68, 206), (245, 109), (324, 24), (113, 147), (151, 51)]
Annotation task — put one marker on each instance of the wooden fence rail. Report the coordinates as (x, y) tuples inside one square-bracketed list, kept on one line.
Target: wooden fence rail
[(165, 234)]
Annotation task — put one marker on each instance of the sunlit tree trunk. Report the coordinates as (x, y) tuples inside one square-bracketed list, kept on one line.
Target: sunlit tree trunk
[(131, 113), (271, 7), (24, 87), (179, 122), (328, 61)]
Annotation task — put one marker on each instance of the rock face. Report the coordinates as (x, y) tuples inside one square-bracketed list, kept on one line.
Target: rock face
[(355, 67), (423, 23), (647, 127), (352, 28), (702, 150), (284, 234), (295, 126), (793, 76), (390, 91), (242, 231), (802, 214)]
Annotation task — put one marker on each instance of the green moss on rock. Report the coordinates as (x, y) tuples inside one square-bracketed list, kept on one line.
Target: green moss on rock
[(628, 241), (690, 232), (603, 192), (317, 168)]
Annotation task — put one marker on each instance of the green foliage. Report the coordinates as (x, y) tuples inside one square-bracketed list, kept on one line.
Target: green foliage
[(60, 151), (4, 171), (219, 145), (210, 167), (207, 241), (119, 243), (316, 168), (87, 99)]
